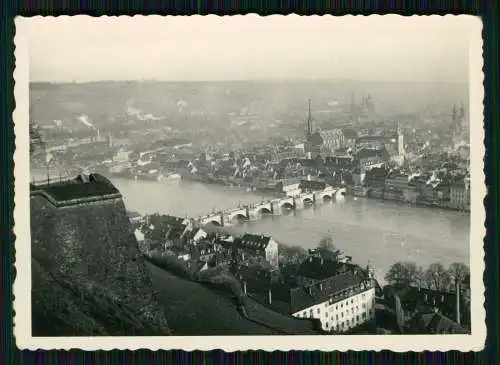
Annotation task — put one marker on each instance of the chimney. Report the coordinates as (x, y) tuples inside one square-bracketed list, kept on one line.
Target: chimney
[(269, 296), (458, 302)]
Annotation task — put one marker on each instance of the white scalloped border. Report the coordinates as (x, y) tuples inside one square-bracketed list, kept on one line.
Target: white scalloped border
[(399, 343)]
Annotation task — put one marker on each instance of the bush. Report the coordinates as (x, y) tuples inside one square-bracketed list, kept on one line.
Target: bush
[(170, 263)]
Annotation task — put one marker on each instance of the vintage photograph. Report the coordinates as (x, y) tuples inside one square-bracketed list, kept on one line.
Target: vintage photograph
[(315, 179)]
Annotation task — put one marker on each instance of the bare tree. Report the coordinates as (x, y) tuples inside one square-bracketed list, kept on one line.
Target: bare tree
[(437, 277), (327, 247), (458, 272), (405, 273)]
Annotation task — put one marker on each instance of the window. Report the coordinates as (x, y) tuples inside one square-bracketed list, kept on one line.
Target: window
[(337, 317), (326, 304), (326, 324), (363, 315), (347, 322), (317, 310), (357, 318), (363, 305), (326, 314), (342, 314), (352, 301), (342, 305), (337, 306)]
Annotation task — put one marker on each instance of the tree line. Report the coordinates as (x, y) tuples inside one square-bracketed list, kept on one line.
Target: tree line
[(436, 276)]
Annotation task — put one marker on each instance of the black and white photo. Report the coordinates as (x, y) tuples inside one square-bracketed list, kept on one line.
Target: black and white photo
[(314, 179)]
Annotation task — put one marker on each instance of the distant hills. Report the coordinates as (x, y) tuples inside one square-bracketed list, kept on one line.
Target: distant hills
[(107, 102)]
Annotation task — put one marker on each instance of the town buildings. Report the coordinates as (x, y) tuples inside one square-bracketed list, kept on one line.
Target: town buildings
[(339, 295), (422, 310), (460, 195)]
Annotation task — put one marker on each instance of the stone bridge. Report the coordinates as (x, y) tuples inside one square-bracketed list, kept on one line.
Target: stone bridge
[(270, 207)]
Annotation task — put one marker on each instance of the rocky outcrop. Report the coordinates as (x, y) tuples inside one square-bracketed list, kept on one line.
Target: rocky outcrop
[(88, 277)]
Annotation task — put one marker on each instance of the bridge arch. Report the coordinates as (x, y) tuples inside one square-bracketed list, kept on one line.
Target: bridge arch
[(287, 205), (340, 193), (238, 217), (328, 196), (214, 222), (308, 201), (263, 211)]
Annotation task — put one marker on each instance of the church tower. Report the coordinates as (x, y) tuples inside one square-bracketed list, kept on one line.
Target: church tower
[(309, 122)]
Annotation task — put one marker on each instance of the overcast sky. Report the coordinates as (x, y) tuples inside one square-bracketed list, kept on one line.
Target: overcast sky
[(390, 48)]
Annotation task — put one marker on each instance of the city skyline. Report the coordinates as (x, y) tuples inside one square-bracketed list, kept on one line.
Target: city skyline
[(242, 48)]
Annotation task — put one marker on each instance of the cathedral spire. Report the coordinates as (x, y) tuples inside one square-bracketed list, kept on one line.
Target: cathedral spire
[(309, 120)]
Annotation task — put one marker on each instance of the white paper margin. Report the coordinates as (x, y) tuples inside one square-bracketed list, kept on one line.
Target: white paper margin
[(399, 343)]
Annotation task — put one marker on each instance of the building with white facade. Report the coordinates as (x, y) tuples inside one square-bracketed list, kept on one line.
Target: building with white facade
[(341, 302)]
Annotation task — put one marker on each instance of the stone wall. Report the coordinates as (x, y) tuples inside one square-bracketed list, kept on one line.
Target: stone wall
[(88, 255)]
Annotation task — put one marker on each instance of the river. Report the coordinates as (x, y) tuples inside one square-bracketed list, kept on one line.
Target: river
[(372, 231)]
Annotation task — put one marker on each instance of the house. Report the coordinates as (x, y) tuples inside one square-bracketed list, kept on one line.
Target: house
[(320, 265), (164, 229), (292, 187), (459, 195), (257, 246), (395, 185), (311, 185), (416, 300), (433, 322), (341, 302), (134, 217), (312, 145), (332, 139), (343, 162)]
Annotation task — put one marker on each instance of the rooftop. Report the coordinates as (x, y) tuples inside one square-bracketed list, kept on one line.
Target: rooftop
[(436, 322), (309, 295), (253, 241)]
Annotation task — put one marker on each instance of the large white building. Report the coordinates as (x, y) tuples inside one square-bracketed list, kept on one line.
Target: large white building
[(341, 302)]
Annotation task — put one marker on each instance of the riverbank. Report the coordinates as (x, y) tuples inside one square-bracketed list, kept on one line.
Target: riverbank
[(444, 205)]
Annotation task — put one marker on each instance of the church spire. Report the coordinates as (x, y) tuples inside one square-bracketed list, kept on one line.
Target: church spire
[(309, 121)]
